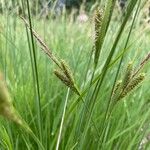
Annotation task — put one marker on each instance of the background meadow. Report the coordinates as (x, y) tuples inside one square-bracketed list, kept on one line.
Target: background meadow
[(60, 117)]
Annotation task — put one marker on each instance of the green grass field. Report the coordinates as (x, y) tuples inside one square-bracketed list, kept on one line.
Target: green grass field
[(92, 110)]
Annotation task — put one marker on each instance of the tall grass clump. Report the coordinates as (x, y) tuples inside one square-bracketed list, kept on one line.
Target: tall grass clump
[(66, 91)]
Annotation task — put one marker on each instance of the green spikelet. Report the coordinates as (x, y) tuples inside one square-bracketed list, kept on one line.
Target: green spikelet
[(69, 83), (67, 71), (117, 87), (98, 23), (116, 91), (6, 107), (128, 75), (63, 78), (98, 18), (132, 85)]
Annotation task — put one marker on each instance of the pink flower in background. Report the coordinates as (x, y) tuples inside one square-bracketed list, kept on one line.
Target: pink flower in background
[(82, 18)]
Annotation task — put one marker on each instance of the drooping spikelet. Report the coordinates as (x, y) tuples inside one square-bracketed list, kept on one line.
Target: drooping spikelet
[(117, 90), (6, 107), (67, 71), (128, 75), (63, 78), (131, 79), (64, 73), (69, 83), (132, 85)]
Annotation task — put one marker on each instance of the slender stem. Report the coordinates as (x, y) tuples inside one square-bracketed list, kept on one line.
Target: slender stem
[(62, 120), (36, 74)]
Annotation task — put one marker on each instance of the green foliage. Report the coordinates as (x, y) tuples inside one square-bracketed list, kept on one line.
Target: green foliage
[(101, 112)]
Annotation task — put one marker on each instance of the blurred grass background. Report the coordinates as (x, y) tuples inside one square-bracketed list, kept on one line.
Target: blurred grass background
[(72, 41)]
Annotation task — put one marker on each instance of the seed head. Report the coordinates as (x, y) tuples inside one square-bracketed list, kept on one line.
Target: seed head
[(117, 90), (67, 71), (66, 80), (128, 75), (63, 78), (133, 84), (98, 19), (117, 86), (6, 107)]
